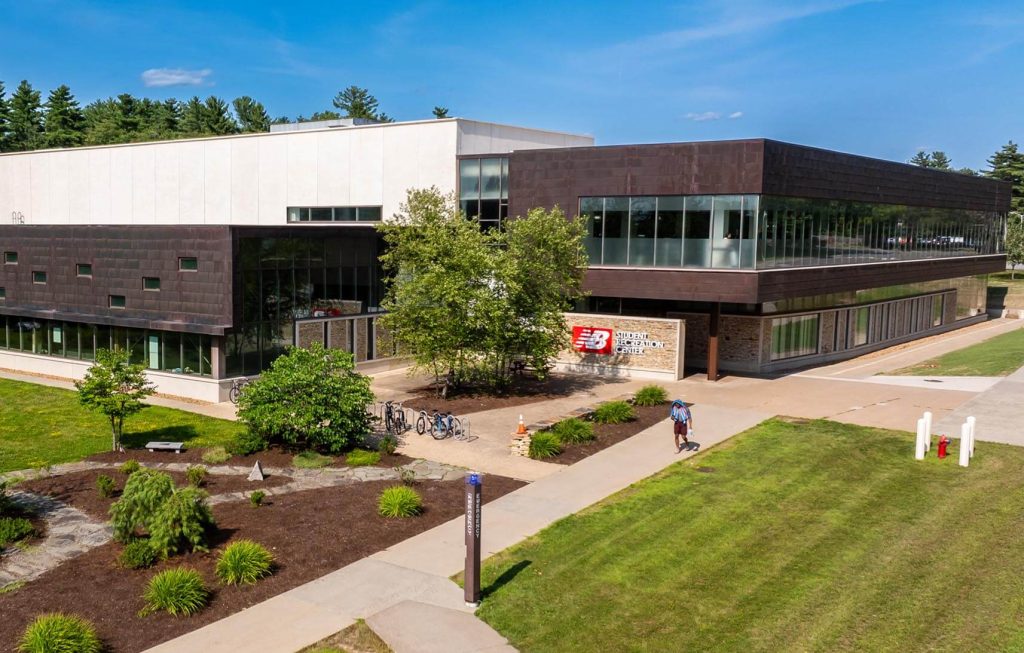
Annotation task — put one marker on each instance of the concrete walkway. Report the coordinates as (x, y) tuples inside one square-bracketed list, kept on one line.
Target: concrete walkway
[(415, 572), (998, 413)]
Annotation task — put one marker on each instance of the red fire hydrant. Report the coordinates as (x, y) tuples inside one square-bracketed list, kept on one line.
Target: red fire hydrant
[(943, 445)]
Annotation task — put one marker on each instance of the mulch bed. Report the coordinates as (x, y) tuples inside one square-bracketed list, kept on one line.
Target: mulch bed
[(78, 489), (273, 457), (609, 434), (311, 533), (524, 390)]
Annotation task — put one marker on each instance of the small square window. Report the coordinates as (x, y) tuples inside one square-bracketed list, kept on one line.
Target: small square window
[(116, 301), (84, 269), (3, 293), (188, 263), (151, 283), (10, 258), (38, 276)]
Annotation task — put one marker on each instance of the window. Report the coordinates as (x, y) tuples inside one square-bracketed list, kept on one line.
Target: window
[(151, 283), (483, 190), (10, 258), (188, 263), (115, 301), (38, 276), (3, 293), (794, 336), (84, 269), (334, 214)]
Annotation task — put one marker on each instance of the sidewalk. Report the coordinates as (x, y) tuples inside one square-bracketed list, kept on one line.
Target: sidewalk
[(998, 412), (417, 571)]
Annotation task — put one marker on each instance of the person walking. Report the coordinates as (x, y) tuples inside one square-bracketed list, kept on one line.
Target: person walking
[(682, 423)]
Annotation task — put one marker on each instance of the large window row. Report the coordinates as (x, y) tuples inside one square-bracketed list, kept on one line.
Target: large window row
[(168, 351), (483, 190), (794, 336), (334, 214), (699, 231)]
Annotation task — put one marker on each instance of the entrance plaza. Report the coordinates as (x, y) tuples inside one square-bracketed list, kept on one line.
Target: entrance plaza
[(405, 593)]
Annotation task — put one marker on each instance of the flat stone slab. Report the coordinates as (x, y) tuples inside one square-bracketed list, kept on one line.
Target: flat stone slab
[(176, 447), (414, 627)]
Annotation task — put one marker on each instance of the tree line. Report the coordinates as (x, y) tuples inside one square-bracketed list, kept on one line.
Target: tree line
[(29, 123)]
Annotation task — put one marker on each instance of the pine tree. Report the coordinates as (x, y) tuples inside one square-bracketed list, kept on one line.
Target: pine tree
[(252, 117), (5, 118), (25, 129), (63, 122), (1008, 165), (922, 159), (321, 115), (356, 103), (192, 121), (217, 118), (940, 161), (440, 112)]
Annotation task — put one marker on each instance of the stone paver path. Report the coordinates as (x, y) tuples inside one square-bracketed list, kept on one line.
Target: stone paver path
[(69, 533)]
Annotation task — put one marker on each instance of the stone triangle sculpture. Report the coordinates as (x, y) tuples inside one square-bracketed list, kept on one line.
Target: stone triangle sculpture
[(257, 472)]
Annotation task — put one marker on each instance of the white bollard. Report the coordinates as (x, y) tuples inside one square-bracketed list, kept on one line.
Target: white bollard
[(927, 430), (965, 444), (919, 443), (971, 423)]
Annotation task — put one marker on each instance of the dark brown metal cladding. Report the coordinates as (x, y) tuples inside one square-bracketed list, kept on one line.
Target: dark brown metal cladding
[(193, 301)]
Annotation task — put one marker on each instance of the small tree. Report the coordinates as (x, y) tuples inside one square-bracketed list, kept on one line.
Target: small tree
[(440, 112), (115, 387), (310, 398), (1014, 241)]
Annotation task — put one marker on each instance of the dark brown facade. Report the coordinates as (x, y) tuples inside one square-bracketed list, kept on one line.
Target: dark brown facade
[(196, 301)]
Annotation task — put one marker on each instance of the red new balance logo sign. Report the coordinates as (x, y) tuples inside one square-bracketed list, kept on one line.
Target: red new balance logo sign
[(592, 340)]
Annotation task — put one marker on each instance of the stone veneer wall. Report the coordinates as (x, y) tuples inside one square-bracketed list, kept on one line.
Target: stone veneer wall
[(656, 362)]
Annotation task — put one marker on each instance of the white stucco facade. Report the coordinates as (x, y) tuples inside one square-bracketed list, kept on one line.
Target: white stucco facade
[(251, 179)]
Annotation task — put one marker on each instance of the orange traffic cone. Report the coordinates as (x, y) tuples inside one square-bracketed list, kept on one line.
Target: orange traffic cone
[(522, 427)]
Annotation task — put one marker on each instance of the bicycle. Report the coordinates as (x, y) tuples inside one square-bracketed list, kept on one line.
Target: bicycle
[(236, 389), (394, 418), (439, 425)]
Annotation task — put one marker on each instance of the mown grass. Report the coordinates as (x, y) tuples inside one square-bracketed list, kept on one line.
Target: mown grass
[(996, 356), (41, 425), (791, 537), (1004, 291)]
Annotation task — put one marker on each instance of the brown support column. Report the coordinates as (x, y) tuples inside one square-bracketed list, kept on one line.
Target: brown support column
[(716, 310)]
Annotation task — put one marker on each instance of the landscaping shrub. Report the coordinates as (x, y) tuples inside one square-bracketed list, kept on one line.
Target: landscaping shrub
[(144, 492), (362, 458), (60, 633), (256, 498), (105, 486), (544, 444), (246, 443), (5, 500), (573, 431), (195, 475), (177, 591), (388, 445), (216, 456), (613, 412), (13, 529), (245, 562), (399, 501), (137, 554), (407, 475), (130, 467), (311, 460), (181, 521), (650, 395)]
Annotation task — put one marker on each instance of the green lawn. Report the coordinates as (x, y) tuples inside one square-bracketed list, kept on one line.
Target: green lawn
[(790, 537), (44, 425), (1005, 292), (996, 356)]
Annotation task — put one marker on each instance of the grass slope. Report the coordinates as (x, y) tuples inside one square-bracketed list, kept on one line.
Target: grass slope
[(996, 356), (43, 425), (1005, 292), (812, 537)]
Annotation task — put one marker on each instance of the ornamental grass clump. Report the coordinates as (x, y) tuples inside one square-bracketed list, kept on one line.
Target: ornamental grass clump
[(130, 467), (613, 412), (650, 395), (216, 456), (60, 633), (399, 501), (244, 562), (573, 431), (13, 529), (362, 458), (105, 486), (544, 444), (311, 460), (137, 554), (195, 475), (177, 591)]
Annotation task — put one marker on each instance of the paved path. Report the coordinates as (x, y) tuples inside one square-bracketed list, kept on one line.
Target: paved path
[(69, 533), (417, 570), (998, 412)]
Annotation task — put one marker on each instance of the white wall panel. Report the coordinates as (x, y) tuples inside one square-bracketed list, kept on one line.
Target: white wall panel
[(334, 173), (79, 201), (99, 187), (301, 164), (143, 184), (217, 182), (58, 187), (39, 186), (273, 191), (245, 179), (166, 185), (191, 183), (366, 167)]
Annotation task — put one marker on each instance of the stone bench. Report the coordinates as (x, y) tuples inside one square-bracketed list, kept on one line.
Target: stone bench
[(176, 447)]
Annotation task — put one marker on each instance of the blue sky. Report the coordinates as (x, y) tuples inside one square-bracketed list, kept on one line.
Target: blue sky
[(876, 77)]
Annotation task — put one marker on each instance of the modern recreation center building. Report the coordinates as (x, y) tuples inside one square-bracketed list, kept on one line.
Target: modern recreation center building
[(206, 258)]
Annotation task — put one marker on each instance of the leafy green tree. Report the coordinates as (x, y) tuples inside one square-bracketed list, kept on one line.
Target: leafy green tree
[(217, 119), (440, 112), (5, 118), (1014, 241), (25, 125), (309, 398), (252, 117), (63, 122), (114, 386), (356, 102), (1008, 165)]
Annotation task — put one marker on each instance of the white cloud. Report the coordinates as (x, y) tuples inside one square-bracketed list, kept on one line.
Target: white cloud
[(158, 77), (703, 117), (735, 114)]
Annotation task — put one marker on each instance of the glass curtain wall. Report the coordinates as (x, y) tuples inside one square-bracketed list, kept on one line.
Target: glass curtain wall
[(794, 336), (483, 190), (701, 231)]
